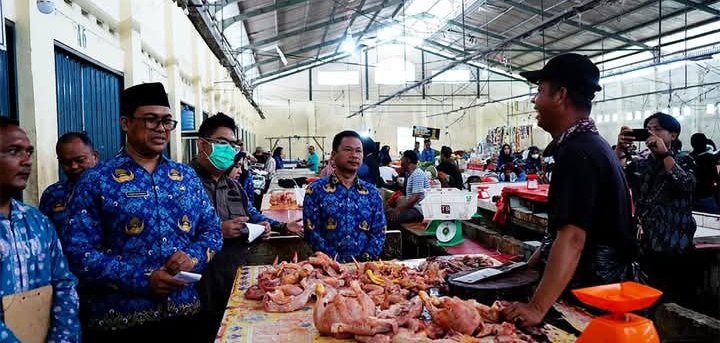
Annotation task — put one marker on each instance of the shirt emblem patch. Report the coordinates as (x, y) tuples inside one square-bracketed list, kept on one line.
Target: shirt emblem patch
[(135, 226), (184, 224), (330, 224), (175, 175), (329, 188), (122, 175)]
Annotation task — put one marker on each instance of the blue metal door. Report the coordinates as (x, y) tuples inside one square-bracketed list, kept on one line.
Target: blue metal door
[(88, 100), (8, 93), (101, 109), (68, 88)]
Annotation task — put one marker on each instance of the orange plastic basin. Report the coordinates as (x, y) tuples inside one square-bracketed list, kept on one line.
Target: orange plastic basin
[(619, 297)]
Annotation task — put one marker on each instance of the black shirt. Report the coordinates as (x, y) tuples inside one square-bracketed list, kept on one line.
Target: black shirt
[(706, 175), (589, 190), (450, 168)]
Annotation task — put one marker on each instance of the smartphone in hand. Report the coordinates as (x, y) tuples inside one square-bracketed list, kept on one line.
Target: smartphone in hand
[(640, 135)]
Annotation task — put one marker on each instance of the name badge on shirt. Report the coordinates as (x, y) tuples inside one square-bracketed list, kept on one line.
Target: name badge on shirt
[(142, 194)]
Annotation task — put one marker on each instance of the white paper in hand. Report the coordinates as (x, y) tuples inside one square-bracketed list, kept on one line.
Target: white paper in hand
[(254, 231), (188, 277)]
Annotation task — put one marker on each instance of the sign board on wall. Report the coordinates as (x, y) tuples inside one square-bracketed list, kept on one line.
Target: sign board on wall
[(426, 132), (3, 41)]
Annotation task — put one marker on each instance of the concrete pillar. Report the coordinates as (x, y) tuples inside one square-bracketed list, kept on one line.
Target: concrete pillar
[(196, 82), (131, 44), (36, 101), (174, 83)]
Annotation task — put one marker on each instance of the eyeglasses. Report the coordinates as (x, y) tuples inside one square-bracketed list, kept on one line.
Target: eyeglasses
[(221, 141), (152, 123)]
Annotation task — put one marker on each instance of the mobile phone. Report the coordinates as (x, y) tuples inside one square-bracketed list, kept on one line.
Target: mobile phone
[(640, 135)]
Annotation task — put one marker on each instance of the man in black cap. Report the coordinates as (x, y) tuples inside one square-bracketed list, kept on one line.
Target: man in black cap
[(591, 238), (136, 221), (409, 211)]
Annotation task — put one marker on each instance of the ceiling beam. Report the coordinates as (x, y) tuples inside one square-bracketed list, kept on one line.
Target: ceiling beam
[(302, 66), (627, 30), (372, 20), (312, 27), (670, 32), (280, 4), (573, 22), (325, 31), (585, 6), (294, 54), (469, 63), (354, 16), (207, 28), (460, 53), (615, 17), (699, 6)]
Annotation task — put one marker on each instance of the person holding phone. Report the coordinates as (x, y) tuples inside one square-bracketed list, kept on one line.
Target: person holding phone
[(663, 186)]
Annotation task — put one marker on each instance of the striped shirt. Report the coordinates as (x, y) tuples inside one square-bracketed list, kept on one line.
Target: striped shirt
[(417, 183)]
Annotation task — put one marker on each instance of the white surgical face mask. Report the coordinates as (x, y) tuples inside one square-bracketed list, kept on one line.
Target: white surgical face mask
[(535, 155)]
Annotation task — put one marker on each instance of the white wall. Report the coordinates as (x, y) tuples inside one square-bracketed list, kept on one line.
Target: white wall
[(144, 40)]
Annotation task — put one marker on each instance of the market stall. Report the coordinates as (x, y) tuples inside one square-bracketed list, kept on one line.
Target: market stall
[(248, 320)]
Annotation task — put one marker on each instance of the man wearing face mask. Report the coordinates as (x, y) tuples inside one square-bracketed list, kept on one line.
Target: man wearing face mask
[(216, 153)]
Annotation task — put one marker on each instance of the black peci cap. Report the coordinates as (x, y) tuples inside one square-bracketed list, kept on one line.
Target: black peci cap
[(144, 94), (570, 70)]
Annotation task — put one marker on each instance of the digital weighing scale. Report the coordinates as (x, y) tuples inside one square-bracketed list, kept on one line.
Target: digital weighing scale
[(620, 326)]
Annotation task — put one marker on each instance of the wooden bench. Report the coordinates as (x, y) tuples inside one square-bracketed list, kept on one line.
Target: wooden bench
[(416, 242)]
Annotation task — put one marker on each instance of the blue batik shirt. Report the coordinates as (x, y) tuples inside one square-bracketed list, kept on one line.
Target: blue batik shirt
[(347, 222), (124, 223), (31, 257), (249, 188), (427, 155), (54, 201)]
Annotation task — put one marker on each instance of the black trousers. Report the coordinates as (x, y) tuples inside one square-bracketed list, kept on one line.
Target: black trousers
[(182, 329)]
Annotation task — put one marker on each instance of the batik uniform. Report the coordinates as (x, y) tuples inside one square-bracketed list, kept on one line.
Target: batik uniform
[(31, 257), (53, 203), (124, 223), (347, 222)]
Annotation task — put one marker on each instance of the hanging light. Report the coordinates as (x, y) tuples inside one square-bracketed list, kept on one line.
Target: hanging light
[(348, 45), (45, 6)]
